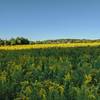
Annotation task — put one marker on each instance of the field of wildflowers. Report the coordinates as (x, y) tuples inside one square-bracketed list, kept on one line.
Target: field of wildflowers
[(36, 46), (50, 72)]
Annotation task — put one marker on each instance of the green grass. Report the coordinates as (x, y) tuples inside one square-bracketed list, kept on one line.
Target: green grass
[(50, 74)]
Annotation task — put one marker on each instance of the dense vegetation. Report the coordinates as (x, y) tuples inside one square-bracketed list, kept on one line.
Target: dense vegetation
[(67, 41), (14, 41), (21, 41), (50, 74)]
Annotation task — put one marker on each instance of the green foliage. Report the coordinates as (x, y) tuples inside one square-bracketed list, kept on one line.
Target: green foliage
[(22, 40), (50, 74), (14, 41)]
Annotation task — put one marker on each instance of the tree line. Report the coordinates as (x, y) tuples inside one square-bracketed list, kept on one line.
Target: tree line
[(15, 41), (22, 40)]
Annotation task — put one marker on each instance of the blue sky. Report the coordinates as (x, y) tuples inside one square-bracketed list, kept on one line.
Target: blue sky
[(50, 19)]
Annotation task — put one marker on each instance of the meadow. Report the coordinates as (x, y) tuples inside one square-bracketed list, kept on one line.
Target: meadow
[(51, 45), (50, 72)]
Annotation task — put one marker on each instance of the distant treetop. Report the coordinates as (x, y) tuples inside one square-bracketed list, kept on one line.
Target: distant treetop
[(23, 41)]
